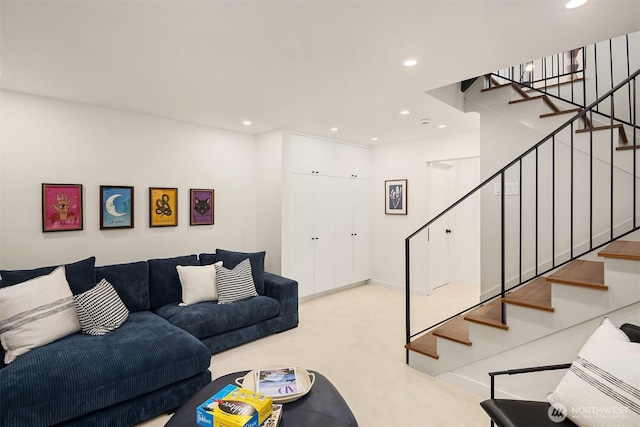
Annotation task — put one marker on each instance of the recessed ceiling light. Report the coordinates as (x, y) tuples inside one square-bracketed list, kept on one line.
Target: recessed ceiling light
[(572, 4), (374, 138), (442, 126), (405, 112), (246, 123), (334, 129), (410, 62)]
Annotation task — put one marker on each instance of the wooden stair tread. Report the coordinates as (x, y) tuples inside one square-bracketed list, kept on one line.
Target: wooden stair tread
[(628, 147), (619, 126), (489, 314), (530, 98), (426, 344), (589, 274), (557, 113), (535, 294), (498, 86), (456, 329), (623, 249), (594, 128), (545, 98)]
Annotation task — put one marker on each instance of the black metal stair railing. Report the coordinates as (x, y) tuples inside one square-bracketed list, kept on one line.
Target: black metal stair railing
[(581, 75), (577, 193)]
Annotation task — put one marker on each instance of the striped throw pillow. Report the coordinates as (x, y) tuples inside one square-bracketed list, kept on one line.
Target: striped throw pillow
[(235, 285), (36, 312), (602, 387), (100, 309)]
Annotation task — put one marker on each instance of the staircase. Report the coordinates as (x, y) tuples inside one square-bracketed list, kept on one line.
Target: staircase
[(581, 266), (556, 294), (529, 95)]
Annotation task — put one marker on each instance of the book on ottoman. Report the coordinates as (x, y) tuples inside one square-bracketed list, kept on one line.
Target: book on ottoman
[(242, 408), (234, 406), (204, 412)]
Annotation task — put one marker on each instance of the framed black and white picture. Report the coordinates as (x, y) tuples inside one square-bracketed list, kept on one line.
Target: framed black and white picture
[(395, 192)]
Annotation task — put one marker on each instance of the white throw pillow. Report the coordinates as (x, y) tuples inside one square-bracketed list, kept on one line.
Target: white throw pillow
[(235, 285), (602, 387), (198, 283), (35, 313)]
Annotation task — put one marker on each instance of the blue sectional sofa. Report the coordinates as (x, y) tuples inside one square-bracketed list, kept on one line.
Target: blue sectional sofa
[(153, 362)]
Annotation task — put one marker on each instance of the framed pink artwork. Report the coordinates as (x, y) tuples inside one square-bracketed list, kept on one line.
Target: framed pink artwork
[(62, 207)]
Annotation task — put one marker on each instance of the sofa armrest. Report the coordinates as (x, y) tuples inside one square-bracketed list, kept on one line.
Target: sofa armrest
[(283, 290)]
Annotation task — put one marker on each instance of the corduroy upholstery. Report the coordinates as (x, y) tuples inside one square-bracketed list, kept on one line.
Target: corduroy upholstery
[(131, 282), (153, 362), (80, 373), (206, 319), (164, 282), (230, 259), (81, 275)]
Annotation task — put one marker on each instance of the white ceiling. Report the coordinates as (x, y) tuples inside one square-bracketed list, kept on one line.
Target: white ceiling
[(302, 65)]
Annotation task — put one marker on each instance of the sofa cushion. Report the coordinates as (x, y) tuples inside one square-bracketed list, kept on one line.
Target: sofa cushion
[(81, 275), (207, 319), (235, 285), (84, 373), (100, 309), (131, 282), (230, 259), (35, 313), (198, 283), (164, 283), (602, 386), (208, 259)]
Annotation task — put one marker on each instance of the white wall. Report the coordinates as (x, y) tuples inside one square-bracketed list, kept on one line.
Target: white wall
[(52, 141), (406, 160), (269, 198)]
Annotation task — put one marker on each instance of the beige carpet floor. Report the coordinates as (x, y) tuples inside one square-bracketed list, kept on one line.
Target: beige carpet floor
[(356, 338)]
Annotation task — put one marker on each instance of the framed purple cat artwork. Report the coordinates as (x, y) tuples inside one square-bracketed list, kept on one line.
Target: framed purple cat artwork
[(201, 207)]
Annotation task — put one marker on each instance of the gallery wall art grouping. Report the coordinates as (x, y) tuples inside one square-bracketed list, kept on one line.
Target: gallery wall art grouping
[(62, 207)]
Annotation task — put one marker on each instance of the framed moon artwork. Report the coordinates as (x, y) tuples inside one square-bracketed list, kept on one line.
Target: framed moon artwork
[(116, 207), (395, 192), (163, 207), (62, 207), (201, 203)]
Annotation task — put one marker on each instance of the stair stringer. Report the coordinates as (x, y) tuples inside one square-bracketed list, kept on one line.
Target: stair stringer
[(573, 305)]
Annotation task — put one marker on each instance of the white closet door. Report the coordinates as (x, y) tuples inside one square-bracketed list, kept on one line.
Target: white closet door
[(302, 233), (362, 230), (345, 234), (361, 162), (325, 200), (325, 157), (302, 154)]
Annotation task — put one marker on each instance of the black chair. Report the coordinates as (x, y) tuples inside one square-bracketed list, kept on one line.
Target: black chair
[(528, 413)]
